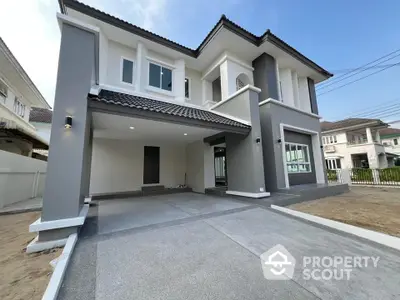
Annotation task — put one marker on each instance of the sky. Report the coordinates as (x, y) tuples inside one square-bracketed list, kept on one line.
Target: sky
[(338, 35)]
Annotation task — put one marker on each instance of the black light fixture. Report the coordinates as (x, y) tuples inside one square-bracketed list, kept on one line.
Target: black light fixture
[(322, 147), (68, 122), (279, 141)]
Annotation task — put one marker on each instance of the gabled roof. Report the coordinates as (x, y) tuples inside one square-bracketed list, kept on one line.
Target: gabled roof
[(350, 122), (223, 22), (40, 115), (165, 108), (389, 132)]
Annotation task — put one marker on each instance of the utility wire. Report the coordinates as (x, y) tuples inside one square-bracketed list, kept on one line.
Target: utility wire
[(360, 71), (346, 84), (378, 111), (372, 108), (356, 69)]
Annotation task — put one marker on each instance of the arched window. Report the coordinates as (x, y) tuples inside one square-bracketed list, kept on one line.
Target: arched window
[(241, 81)]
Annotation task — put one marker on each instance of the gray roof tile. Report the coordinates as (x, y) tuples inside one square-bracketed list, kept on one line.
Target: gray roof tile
[(40, 115), (142, 103)]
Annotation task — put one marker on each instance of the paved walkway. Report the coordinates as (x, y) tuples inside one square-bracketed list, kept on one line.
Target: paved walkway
[(191, 246)]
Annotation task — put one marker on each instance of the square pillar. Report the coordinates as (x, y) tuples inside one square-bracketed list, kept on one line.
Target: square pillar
[(369, 136), (69, 161), (179, 80)]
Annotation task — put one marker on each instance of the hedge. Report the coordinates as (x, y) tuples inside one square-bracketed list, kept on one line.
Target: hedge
[(361, 175), (389, 174), (332, 175)]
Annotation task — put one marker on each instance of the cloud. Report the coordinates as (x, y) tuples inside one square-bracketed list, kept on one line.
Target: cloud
[(30, 30)]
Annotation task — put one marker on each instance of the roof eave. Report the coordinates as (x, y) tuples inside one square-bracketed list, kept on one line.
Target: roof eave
[(223, 22)]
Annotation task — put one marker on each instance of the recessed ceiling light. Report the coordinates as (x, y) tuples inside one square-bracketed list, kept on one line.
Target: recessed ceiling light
[(185, 134), (131, 127)]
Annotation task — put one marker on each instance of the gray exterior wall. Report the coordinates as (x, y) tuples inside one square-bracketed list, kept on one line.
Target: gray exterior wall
[(305, 139), (265, 76), (244, 155), (313, 96), (216, 90), (69, 158), (272, 115)]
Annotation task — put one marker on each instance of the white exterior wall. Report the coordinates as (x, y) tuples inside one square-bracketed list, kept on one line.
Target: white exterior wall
[(304, 94), (195, 87), (229, 71), (285, 76), (117, 165), (344, 151), (392, 148), (21, 178)]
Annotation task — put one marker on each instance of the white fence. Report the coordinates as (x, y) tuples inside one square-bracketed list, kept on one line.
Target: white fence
[(381, 177), (21, 178)]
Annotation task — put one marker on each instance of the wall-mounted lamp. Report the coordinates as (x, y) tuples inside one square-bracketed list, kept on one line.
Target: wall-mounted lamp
[(258, 140), (68, 122), (322, 147), (279, 141)]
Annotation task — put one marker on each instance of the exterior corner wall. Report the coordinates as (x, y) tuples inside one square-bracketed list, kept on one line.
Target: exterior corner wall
[(195, 174), (266, 77), (244, 155), (238, 106), (64, 190)]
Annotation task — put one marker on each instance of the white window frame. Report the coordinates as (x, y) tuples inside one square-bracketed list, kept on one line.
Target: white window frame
[(19, 107), (332, 164), (4, 93), (298, 163), (189, 88), (122, 70), (159, 89)]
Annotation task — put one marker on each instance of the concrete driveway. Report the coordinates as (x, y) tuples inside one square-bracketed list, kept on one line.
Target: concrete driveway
[(191, 246)]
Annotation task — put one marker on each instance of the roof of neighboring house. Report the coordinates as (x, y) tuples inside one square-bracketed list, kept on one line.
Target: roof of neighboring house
[(350, 122), (25, 77), (40, 115), (389, 132), (223, 22), (147, 104)]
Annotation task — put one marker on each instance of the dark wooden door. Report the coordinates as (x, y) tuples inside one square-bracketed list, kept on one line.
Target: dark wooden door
[(151, 166)]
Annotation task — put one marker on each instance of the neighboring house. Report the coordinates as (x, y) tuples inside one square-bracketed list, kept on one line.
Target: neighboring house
[(355, 143), (390, 138), (134, 110), (17, 95), (41, 119)]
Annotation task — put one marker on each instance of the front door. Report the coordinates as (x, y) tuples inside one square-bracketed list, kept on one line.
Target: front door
[(151, 166)]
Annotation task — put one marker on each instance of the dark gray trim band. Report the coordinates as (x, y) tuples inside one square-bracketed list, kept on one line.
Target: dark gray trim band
[(156, 116), (223, 22)]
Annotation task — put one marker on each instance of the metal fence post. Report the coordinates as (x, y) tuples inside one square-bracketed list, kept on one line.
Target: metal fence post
[(375, 175)]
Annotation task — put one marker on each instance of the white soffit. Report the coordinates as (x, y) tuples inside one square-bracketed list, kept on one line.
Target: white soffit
[(110, 126)]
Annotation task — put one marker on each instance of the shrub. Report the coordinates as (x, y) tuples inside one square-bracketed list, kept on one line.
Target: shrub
[(361, 175), (389, 174), (332, 175), (397, 162)]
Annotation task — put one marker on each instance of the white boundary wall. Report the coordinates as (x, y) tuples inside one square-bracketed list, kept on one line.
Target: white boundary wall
[(21, 178)]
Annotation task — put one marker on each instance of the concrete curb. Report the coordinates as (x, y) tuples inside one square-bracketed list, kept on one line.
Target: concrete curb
[(376, 237), (56, 279), (20, 211)]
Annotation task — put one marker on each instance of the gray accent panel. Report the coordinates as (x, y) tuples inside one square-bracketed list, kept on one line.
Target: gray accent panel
[(69, 162), (313, 96), (265, 76), (301, 138), (216, 90), (272, 115), (244, 156)]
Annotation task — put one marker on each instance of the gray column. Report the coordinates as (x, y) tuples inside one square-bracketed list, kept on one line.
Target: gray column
[(244, 154), (265, 76), (313, 96), (68, 166)]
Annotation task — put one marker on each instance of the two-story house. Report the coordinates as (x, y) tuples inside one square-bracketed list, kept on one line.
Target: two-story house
[(18, 95), (390, 138), (354, 143), (134, 110)]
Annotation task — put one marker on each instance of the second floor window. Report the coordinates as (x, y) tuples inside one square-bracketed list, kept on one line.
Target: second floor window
[(329, 139), (395, 142), (3, 91), (19, 108), (160, 77), (127, 71), (187, 88)]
